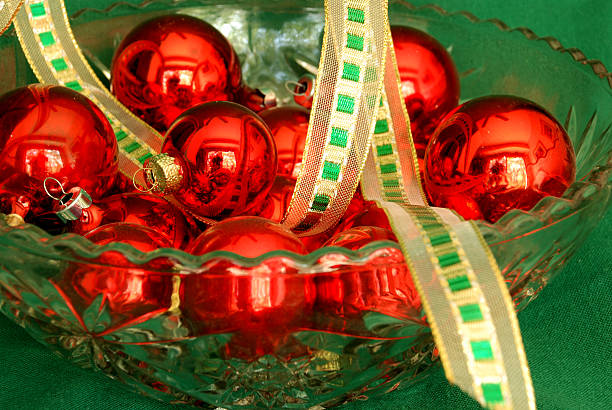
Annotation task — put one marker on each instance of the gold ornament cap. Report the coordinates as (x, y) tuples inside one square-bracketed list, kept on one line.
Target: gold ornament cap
[(13, 220), (163, 174)]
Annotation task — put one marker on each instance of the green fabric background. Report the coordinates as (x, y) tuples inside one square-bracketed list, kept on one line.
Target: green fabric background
[(567, 331)]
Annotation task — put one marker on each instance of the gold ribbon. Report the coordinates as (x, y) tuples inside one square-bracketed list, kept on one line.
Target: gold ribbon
[(357, 110), (345, 102), (463, 293), (8, 10)]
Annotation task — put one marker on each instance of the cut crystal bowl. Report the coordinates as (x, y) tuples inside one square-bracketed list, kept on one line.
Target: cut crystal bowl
[(220, 330)]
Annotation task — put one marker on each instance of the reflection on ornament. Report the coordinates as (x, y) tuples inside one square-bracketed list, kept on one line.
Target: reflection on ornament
[(429, 82), (171, 63), (289, 127), (218, 160), (497, 153)]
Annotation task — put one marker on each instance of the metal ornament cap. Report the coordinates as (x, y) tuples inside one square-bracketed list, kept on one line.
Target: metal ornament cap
[(269, 97), (73, 203), (163, 174), (304, 91)]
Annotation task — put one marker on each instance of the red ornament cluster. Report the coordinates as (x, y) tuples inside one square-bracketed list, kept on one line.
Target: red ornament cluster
[(224, 165)]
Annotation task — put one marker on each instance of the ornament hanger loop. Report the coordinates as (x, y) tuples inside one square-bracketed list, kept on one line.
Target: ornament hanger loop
[(139, 187), (58, 183), (296, 86)]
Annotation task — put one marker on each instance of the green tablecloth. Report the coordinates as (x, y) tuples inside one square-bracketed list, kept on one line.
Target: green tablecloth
[(567, 331)]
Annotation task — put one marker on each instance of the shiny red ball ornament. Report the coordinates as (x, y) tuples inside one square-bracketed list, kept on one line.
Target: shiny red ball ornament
[(139, 209), (429, 81), (52, 131), (171, 63), (218, 160), (248, 236), (383, 284), (262, 304), (360, 236), (497, 153), (129, 291), (289, 127)]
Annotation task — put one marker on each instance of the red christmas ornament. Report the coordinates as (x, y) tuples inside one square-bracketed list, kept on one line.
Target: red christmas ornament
[(429, 81), (218, 160), (359, 236), (248, 236), (139, 209), (289, 126), (52, 131), (171, 63), (262, 304), (383, 285), (129, 290), (497, 153)]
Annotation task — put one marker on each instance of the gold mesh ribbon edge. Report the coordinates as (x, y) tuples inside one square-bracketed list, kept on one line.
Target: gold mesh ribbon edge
[(8, 10)]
